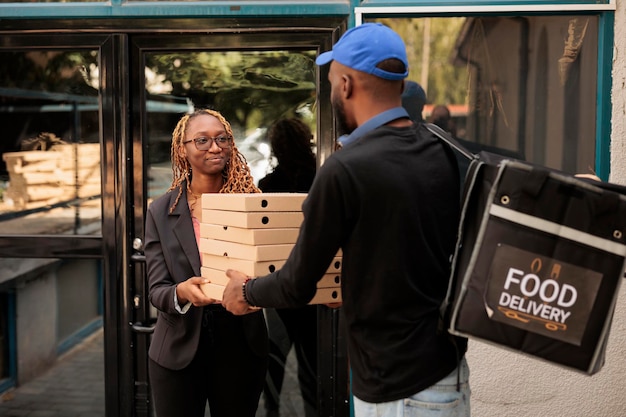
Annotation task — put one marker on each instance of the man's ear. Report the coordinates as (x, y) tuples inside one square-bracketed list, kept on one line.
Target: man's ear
[(347, 85)]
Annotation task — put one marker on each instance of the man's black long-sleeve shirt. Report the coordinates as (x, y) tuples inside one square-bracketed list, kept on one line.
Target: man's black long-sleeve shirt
[(390, 201)]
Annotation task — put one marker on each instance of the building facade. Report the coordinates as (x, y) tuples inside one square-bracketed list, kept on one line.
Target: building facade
[(90, 92)]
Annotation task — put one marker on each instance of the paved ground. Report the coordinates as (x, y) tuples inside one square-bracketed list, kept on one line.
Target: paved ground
[(75, 388)]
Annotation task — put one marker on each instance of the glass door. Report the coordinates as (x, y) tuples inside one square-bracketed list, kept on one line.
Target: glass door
[(52, 286), (254, 79)]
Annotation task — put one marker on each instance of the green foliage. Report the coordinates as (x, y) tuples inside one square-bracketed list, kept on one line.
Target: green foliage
[(50, 71), (430, 49), (251, 89)]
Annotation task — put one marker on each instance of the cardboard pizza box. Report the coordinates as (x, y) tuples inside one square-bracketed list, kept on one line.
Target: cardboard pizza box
[(213, 290), (335, 265), (249, 236), (255, 268), (248, 267), (329, 281), (242, 251), (253, 220), (254, 201), (327, 296), (219, 277), (322, 295)]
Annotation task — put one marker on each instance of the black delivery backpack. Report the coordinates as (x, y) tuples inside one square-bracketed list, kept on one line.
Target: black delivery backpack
[(539, 259)]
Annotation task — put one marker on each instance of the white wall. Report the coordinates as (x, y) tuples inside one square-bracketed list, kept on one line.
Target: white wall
[(509, 384), (618, 135)]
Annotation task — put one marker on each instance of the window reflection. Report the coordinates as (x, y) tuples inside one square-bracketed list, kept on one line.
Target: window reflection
[(251, 89), (524, 86), (50, 167)]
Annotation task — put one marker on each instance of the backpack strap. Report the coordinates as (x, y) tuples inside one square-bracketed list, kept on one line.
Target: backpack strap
[(445, 136), (456, 146)]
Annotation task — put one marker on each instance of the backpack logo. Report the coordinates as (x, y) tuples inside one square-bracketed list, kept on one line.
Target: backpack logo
[(540, 294)]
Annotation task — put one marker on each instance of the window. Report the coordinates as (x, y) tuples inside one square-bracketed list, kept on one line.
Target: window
[(523, 86), (50, 167)]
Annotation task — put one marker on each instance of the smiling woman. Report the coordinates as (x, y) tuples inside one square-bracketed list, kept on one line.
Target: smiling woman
[(199, 351)]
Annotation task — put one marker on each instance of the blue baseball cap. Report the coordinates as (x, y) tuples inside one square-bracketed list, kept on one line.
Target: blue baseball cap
[(363, 47)]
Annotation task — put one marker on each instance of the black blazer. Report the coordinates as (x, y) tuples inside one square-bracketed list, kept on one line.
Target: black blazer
[(172, 256)]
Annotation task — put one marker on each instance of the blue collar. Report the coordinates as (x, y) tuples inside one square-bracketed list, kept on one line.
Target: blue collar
[(373, 123)]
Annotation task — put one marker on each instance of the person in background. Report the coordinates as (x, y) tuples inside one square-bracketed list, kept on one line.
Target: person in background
[(441, 117), (290, 140), (413, 100), (390, 201), (199, 352)]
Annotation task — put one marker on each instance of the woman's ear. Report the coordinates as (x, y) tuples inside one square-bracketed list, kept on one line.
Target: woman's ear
[(182, 150)]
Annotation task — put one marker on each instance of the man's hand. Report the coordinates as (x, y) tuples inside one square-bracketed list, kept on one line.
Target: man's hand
[(190, 291), (233, 299)]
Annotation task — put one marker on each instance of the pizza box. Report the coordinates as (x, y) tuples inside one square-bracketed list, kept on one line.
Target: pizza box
[(212, 290), (254, 268), (242, 251), (329, 281), (248, 267), (219, 277), (254, 201), (335, 265), (249, 236), (253, 220), (322, 295), (327, 296)]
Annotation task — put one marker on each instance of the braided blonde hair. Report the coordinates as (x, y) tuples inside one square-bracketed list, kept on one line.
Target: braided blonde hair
[(236, 173)]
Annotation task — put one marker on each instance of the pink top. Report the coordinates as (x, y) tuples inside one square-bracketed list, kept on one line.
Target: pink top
[(196, 226)]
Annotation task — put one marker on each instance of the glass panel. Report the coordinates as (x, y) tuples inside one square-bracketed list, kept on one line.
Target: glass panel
[(57, 335), (50, 167), (251, 89), (524, 86)]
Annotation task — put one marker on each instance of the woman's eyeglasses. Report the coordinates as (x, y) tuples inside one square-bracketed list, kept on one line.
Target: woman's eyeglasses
[(203, 143)]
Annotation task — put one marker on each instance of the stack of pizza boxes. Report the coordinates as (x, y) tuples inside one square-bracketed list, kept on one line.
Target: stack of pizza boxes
[(254, 233)]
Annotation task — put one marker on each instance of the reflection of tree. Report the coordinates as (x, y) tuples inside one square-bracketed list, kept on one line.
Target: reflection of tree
[(250, 88), (446, 82), (30, 80), (51, 71)]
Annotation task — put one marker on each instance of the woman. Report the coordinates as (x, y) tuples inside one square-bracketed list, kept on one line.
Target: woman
[(199, 352)]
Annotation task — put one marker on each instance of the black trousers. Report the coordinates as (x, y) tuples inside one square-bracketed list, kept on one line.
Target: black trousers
[(224, 372)]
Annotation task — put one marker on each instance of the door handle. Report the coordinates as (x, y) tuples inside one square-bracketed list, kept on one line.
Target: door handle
[(145, 328), (138, 257), (140, 326)]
